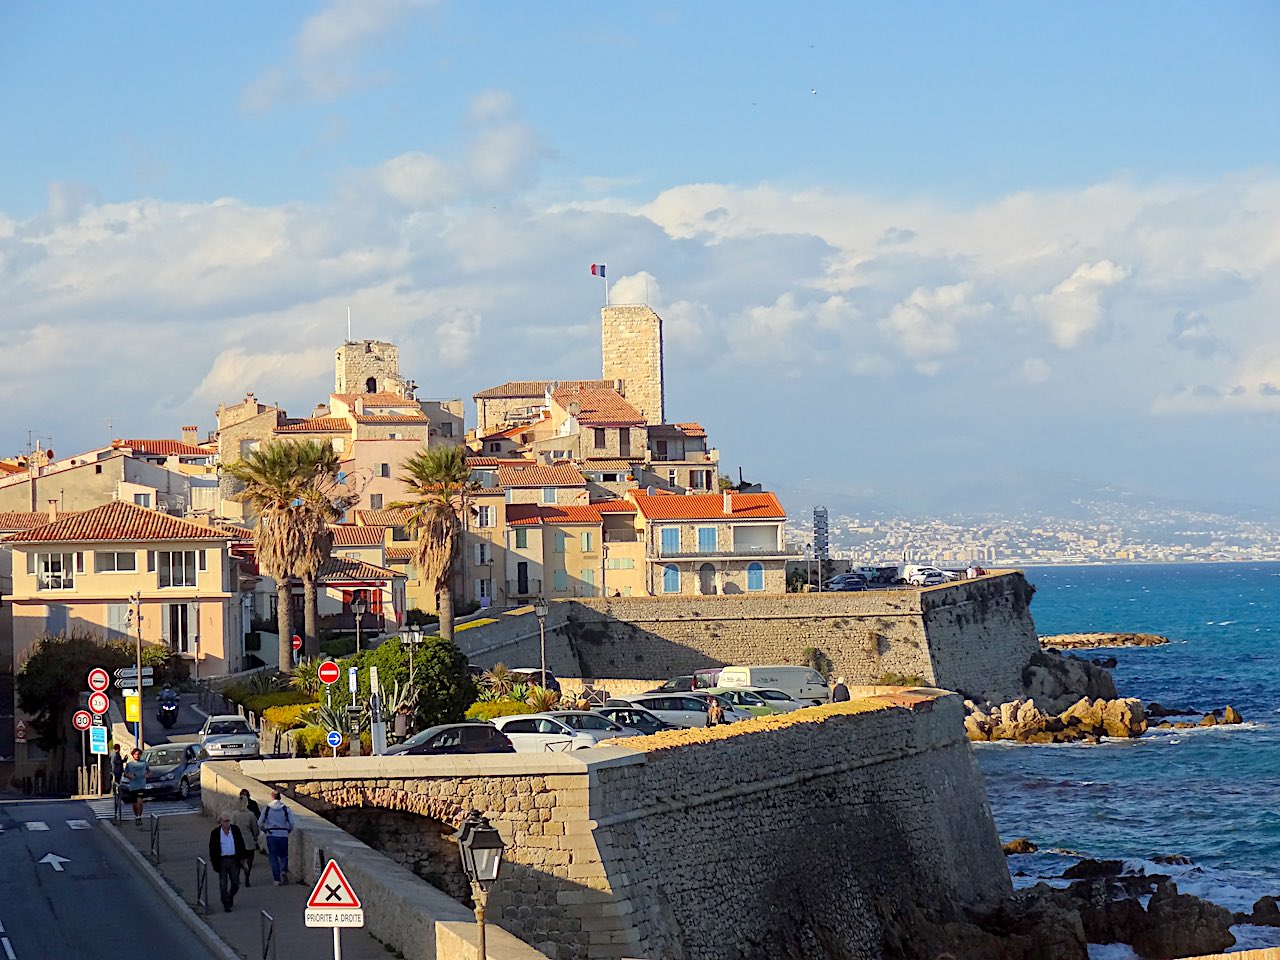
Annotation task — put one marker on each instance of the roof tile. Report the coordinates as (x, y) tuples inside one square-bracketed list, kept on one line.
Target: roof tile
[(162, 448), (533, 389), (541, 475), (117, 521), (709, 506), (344, 568), (350, 535), (599, 406), (315, 425)]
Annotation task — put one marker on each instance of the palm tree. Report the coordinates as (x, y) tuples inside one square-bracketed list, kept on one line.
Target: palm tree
[(322, 503), (440, 482)]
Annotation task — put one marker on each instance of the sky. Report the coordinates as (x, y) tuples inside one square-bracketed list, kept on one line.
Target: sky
[(927, 256)]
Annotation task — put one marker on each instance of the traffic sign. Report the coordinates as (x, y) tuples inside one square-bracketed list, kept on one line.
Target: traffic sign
[(132, 682), (122, 672), (328, 672), (297, 642), (82, 720), (20, 731), (334, 739), (99, 680), (98, 702), (352, 684), (333, 903), (132, 708), (98, 740)]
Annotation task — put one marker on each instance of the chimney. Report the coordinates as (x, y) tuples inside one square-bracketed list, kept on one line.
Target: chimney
[(728, 503), (359, 406), (191, 435), (53, 510)]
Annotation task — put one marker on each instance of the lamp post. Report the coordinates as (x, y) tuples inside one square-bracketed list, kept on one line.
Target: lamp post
[(480, 847), (411, 636), (358, 607), (136, 602), (540, 611), (808, 567)]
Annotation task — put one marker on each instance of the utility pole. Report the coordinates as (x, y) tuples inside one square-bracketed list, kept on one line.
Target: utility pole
[(136, 600)]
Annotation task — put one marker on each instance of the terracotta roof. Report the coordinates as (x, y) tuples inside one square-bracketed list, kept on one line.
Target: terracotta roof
[(540, 475), (531, 389), (608, 465), (599, 406), (692, 429), (497, 461), (709, 506), (315, 425), (118, 521), (383, 399), (11, 468), (22, 520), (350, 535), (509, 433), (344, 568), (383, 518), (615, 506), (399, 553), (533, 514), (392, 418), (162, 448)]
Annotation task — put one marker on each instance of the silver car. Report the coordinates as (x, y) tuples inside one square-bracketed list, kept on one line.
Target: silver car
[(559, 730), (229, 737)]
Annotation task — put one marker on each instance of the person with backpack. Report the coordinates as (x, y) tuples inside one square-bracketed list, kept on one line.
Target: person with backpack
[(276, 824)]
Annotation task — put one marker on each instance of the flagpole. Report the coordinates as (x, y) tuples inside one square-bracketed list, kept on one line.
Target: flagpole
[(606, 290)]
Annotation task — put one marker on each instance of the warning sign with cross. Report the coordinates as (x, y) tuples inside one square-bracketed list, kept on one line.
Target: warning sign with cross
[(333, 902)]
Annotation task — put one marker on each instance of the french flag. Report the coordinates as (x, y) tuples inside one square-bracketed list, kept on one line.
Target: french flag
[(597, 269)]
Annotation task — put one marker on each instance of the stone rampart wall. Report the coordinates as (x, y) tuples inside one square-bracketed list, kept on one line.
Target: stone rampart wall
[(973, 636)]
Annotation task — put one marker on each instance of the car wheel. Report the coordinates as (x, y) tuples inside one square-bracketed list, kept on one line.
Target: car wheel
[(184, 788)]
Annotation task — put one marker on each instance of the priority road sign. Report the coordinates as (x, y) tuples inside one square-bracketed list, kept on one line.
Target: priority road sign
[(98, 702), (82, 720), (122, 672), (333, 903), (98, 740), (334, 739), (329, 672), (99, 680)]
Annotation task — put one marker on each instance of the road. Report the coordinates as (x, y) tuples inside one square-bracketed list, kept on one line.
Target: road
[(184, 731), (98, 907)]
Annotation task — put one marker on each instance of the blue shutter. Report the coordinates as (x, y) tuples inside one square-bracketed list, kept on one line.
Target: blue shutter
[(755, 576), (562, 580), (706, 539), (670, 539), (670, 579)]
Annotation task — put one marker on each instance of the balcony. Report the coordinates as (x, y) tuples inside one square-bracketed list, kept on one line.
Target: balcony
[(752, 553), (533, 588)]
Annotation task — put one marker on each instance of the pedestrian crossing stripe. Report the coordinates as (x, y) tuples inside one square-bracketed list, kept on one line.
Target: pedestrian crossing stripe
[(79, 825), (105, 809), (36, 825)]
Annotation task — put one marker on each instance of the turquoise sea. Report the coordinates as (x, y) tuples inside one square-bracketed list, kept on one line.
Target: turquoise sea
[(1210, 794)]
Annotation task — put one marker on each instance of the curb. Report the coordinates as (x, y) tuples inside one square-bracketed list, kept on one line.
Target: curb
[(216, 946)]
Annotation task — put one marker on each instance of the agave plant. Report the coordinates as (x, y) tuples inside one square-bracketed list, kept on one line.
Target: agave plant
[(405, 694), (542, 699), (519, 691), (263, 682), (499, 680), (306, 677), (335, 718)]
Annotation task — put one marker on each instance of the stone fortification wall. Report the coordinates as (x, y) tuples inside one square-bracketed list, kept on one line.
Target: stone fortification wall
[(768, 838), (973, 636)]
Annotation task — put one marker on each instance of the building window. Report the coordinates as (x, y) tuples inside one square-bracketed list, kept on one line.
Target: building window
[(620, 563), (109, 562), (375, 501), (670, 539), (599, 438), (699, 479), (548, 494), (118, 621), (586, 542), (142, 499), (339, 444), (522, 539), (558, 543), (484, 590), (706, 539), (174, 568), (509, 495), (755, 576), (589, 578), (659, 449), (55, 571), (484, 516), (608, 478), (177, 621), (672, 476), (624, 441), (446, 429), (670, 579), (561, 581), (384, 469), (97, 468), (483, 556), (495, 447), (371, 385)]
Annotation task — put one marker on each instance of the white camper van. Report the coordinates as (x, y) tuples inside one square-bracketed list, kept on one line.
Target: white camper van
[(803, 683)]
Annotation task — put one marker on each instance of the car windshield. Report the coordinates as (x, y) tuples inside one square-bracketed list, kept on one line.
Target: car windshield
[(421, 737), (221, 728), (772, 695), (164, 756), (582, 721)]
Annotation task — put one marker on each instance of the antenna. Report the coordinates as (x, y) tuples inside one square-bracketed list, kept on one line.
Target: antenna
[(349, 324)]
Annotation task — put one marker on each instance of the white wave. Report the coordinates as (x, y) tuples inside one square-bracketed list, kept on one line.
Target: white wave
[(1227, 623), (1111, 951)]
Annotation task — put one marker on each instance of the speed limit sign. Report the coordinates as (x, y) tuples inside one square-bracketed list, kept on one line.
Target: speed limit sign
[(82, 720)]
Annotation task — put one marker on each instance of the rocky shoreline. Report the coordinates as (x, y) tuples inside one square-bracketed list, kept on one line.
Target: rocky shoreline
[(1088, 641)]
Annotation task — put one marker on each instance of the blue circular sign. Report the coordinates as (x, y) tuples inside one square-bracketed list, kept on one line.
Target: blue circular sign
[(334, 738)]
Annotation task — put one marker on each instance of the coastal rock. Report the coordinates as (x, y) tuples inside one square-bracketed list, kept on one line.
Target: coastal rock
[(1155, 709), (1076, 641), (1266, 913), (1023, 721), (1021, 845), (1090, 869), (1180, 925), (1209, 720), (1055, 682), (1107, 663), (1174, 859), (1124, 718), (1232, 715)]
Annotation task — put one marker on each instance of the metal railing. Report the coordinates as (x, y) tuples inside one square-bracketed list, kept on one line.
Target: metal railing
[(267, 935), (202, 885), (155, 839), (778, 553), (532, 588)]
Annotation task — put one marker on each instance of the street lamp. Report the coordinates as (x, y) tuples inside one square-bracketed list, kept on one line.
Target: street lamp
[(808, 568), (480, 847), (358, 607), (411, 636), (540, 611)]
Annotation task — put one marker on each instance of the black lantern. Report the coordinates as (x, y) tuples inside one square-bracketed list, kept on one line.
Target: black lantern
[(481, 848)]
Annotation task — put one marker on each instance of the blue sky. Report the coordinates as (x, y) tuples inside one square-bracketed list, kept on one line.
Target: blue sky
[(1064, 212)]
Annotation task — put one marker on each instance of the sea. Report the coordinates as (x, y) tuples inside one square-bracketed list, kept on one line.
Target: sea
[(1210, 794)]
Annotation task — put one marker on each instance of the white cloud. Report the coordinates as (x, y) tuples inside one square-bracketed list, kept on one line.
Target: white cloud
[(1074, 308), (1035, 370), (928, 323)]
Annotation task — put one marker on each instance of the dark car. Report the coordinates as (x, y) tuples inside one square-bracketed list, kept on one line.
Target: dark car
[(173, 768), (846, 586), (455, 738), (676, 685), (535, 676), (635, 718)]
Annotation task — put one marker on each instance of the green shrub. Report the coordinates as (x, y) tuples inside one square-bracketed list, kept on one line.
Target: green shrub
[(492, 709), (281, 698), (891, 679), (339, 646), (420, 618), (310, 742), (288, 716)]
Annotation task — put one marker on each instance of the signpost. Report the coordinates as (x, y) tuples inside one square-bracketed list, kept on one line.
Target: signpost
[(99, 680), (20, 731), (82, 720), (98, 703), (333, 903), (328, 672), (334, 739), (352, 680), (124, 673), (132, 706), (98, 741)]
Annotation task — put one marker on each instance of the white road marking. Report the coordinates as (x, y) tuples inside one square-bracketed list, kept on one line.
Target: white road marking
[(8, 949), (1, 926), (105, 809), (36, 825), (79, 825), (54, 861)]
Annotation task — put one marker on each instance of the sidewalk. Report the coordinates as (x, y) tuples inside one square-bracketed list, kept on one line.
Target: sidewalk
[(185, 837)]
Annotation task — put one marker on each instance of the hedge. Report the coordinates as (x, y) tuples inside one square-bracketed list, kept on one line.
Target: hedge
[(262, 702), (288, 716), (310, 742), (492, 709)]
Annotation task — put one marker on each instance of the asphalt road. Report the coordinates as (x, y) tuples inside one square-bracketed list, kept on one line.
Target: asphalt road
[(184, 731), (97, 907)]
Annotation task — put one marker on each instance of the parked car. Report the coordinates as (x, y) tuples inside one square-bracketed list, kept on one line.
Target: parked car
[(931, 578), (559, 730), (450, 738), (705, 679), (173, 768), (678, 709), (846, 586), (635, 718), (534, 676), (759, 701), (677, 685), (846, 578), (803, 683), (732, 711), (227, 736)]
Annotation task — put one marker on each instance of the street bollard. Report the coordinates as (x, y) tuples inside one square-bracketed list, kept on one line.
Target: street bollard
[(202, 885), (155, 839), (267, 935)]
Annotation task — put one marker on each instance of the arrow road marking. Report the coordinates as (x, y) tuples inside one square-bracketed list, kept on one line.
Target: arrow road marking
[(36, 825), (54, 861)]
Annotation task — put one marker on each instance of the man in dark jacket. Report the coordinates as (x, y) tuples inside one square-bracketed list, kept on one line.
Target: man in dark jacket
[(840, 692), (226, 849)]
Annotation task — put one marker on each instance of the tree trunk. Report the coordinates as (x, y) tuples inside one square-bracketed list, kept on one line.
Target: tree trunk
[(444, 600), (311, 633), (284, 623)]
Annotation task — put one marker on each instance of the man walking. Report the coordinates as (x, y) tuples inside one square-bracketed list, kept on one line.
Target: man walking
[(226, 848), (135, 776), (840, 692), (277, 824)]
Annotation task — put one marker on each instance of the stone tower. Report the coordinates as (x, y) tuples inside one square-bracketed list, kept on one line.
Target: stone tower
[(631, 344), (368, 366)]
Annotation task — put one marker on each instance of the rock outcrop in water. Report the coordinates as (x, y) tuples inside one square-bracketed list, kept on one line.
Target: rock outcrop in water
[(1086, 641), (1085, 719), (1055, 681)]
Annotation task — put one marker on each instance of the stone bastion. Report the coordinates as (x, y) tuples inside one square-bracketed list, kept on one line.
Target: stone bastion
[(775, 837), (971, 636)]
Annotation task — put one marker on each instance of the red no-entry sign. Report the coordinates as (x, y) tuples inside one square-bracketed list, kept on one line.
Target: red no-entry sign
[(297, 642), (99, 679), (82, 720), (329, 672)]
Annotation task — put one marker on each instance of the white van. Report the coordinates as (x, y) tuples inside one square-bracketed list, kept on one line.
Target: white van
[(803, 683)]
